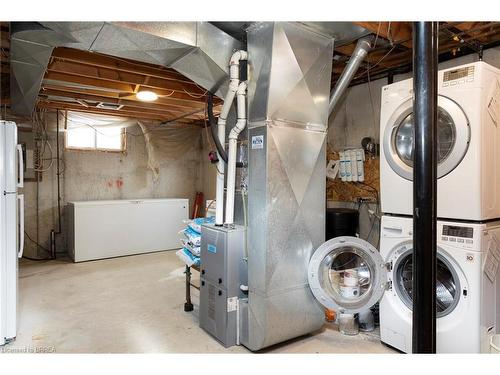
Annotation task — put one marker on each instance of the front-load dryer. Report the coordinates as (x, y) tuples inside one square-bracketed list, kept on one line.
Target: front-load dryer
[(348, 275), (468, 152)]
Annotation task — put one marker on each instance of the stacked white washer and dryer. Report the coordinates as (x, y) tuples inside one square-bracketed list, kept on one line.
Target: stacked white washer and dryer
[(468, 207)]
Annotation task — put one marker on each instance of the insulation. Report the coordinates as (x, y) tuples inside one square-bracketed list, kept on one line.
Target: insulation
[(169, 142), (164, 143)]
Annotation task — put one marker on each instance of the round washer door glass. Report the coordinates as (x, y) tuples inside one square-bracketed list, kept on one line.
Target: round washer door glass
[(347, 274), (452, 136), (447, 283), (404, 137)]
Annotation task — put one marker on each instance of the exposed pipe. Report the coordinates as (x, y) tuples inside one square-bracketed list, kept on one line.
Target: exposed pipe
[(425, 68), (233, 142), (234, 73), (220, 148), (362, 47)]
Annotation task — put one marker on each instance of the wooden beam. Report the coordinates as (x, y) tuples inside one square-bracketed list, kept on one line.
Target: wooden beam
[(124, 77), (118, 87), (106, 95), (124, 109), (115, 63), (171, 104), (122, 112), (157, 105), (474, 29), (397, 32)]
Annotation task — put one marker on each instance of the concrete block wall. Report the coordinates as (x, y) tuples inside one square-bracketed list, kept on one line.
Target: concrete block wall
[(95, 175)]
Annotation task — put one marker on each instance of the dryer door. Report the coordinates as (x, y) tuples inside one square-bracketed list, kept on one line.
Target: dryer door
[(347, 274), (453, 137)]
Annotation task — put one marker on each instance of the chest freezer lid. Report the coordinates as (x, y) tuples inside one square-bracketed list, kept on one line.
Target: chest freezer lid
[(347, 274)]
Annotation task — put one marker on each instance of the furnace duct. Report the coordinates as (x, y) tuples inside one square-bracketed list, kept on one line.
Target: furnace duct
[(288, 93), (198, 50)]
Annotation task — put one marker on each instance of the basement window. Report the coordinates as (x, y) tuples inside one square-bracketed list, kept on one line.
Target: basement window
[(94, 137)]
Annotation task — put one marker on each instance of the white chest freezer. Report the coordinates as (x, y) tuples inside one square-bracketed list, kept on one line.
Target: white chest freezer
[(113, 228)]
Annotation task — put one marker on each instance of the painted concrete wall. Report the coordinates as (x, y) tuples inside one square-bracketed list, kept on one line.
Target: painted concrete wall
[(358, 116), (93, 175)]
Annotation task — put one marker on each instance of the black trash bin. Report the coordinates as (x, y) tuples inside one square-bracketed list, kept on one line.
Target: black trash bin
[(341, 222)]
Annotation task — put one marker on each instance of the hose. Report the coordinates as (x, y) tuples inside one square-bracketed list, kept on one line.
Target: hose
[(213, 124), (245, 220)]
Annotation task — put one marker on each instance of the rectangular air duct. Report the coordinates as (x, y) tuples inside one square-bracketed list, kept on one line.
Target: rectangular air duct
[(288, 94)]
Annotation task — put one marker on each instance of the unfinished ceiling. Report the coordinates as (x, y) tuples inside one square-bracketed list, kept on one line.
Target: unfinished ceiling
[(93, 82), (393, 50)]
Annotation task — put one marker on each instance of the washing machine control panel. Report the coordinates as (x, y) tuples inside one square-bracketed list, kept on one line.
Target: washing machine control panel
[(458, 235), (458, 76)]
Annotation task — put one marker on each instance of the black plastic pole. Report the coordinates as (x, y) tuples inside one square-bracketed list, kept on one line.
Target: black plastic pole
[(425, 56)]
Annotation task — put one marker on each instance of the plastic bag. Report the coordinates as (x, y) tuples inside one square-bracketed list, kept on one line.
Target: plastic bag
[(192, 236), (188, 258), (195, 250), (196, 224)]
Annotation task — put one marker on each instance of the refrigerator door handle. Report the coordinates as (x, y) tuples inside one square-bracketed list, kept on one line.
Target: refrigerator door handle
[(20, 182), (20, 198)]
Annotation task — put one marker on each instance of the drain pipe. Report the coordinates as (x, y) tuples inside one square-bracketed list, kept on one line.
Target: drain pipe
[(234, 73), (233, 142), (425, 60), (362, 47)]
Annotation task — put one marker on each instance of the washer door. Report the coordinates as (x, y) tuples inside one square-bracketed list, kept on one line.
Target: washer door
[(448, 288), (347, 275), (453, 138)]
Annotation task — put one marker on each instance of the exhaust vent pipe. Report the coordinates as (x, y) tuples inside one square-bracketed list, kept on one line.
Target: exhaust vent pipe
[(363, 46)]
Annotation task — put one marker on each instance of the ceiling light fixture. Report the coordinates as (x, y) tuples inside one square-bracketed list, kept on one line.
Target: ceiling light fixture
[(147, 96)]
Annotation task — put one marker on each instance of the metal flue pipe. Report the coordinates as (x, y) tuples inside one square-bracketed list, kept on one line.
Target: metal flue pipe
[(425, 58), (362, 47)]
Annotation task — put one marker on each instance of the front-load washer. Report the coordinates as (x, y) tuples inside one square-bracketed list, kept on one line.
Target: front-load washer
[(467, 285), (468, 136)]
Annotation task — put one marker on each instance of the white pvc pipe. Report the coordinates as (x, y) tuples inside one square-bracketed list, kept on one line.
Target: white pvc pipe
[(221, 131), (231, 155)]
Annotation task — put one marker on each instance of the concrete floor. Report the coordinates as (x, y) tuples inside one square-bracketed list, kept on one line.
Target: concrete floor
[(134, 305)]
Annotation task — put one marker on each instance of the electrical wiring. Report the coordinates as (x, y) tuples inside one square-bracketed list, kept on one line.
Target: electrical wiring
[(41, 135), (376, 218), (209, 138), (167, 96), (40, 246), (374, 122), (378, 33), (51, 160), (195, 96)]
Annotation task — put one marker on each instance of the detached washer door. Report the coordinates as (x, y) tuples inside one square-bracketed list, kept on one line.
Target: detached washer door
[(347, 274), (453, 135)]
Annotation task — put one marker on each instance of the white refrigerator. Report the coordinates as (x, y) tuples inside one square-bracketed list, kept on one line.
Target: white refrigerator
[(11, 227)]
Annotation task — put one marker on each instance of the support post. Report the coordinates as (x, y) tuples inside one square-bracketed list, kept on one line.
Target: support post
[(425, 57), (188, 305)]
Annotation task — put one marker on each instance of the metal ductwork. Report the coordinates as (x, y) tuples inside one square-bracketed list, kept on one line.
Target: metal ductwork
[(288, 91), (362, 47), (198, 50), (31, 46)]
